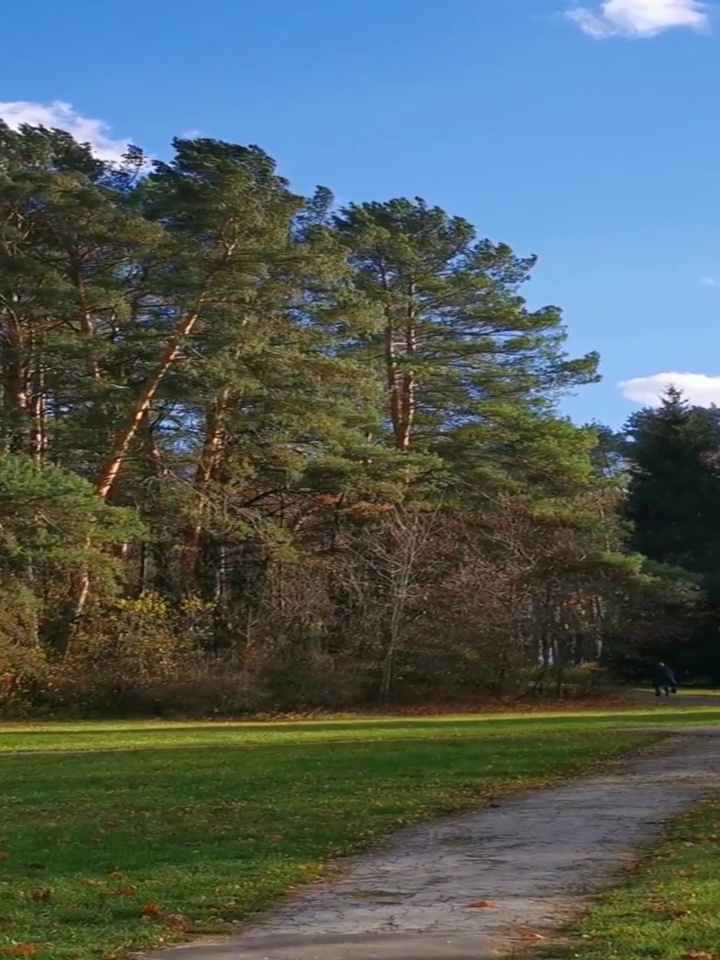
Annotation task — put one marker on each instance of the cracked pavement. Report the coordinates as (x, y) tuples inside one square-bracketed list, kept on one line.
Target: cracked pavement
[(535, 857)]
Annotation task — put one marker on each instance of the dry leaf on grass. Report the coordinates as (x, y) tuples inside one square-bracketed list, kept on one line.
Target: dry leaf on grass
[(3, 855), (698, 955), (125, 891), (531, 937), (482, 904), (40, 896), (89, 882), (151, 910), (177, 922), (20, 950)]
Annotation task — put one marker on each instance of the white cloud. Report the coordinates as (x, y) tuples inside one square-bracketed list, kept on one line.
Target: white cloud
[(63, 116), (640, 18), (699, 388), (709, 282)]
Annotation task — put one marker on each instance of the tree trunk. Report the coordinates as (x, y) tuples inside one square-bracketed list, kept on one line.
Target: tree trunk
[(126, 434), (122, 440), (36, 410), (401, 381), (14, 386), (407, 405), (393, 381), (207, 465)]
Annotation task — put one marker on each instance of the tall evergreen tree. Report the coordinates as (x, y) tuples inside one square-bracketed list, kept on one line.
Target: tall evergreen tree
[(673, 506), (457, 343), (673, 491)]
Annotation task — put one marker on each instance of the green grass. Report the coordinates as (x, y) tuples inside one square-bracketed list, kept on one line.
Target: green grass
[(670, 910), (685, 691), (698, 692), (209, 823), (157, 734)]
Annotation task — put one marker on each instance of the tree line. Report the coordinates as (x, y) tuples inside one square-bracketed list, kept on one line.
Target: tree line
[(258, 451)]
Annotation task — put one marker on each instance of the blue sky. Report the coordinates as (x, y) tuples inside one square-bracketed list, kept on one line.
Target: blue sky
[(589, 135)]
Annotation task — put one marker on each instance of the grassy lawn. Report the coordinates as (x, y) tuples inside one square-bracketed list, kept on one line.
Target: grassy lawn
[(16, 738), (670, 910), (197, 826), (686, 692)]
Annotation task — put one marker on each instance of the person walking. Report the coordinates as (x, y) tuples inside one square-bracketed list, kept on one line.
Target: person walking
[(664, 680)]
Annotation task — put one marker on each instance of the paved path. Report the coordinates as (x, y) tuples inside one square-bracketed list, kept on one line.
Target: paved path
[(534, 857), (686, 698)]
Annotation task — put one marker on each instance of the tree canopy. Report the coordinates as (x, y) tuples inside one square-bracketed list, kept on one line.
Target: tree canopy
[(269, 451)]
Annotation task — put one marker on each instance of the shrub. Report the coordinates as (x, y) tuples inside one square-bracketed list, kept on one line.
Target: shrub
[(23, 664)]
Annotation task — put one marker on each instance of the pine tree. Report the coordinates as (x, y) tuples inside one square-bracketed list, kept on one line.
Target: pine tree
[(457, 343), (673, 493), (69, 277)]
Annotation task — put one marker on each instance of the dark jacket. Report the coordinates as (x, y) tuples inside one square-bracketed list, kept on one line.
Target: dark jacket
[(663, 676)]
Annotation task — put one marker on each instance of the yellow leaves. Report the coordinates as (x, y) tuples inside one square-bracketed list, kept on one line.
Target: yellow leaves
[(149, 604), (20, 950), (194, 605)]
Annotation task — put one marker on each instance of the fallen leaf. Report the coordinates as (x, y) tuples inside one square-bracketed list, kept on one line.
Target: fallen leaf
[(482, 904), (116, 875), (531, 937), (125, 891), (41, 895), (151, 910), (177, 922), (698, 955), (20, 950), (4, 855)]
